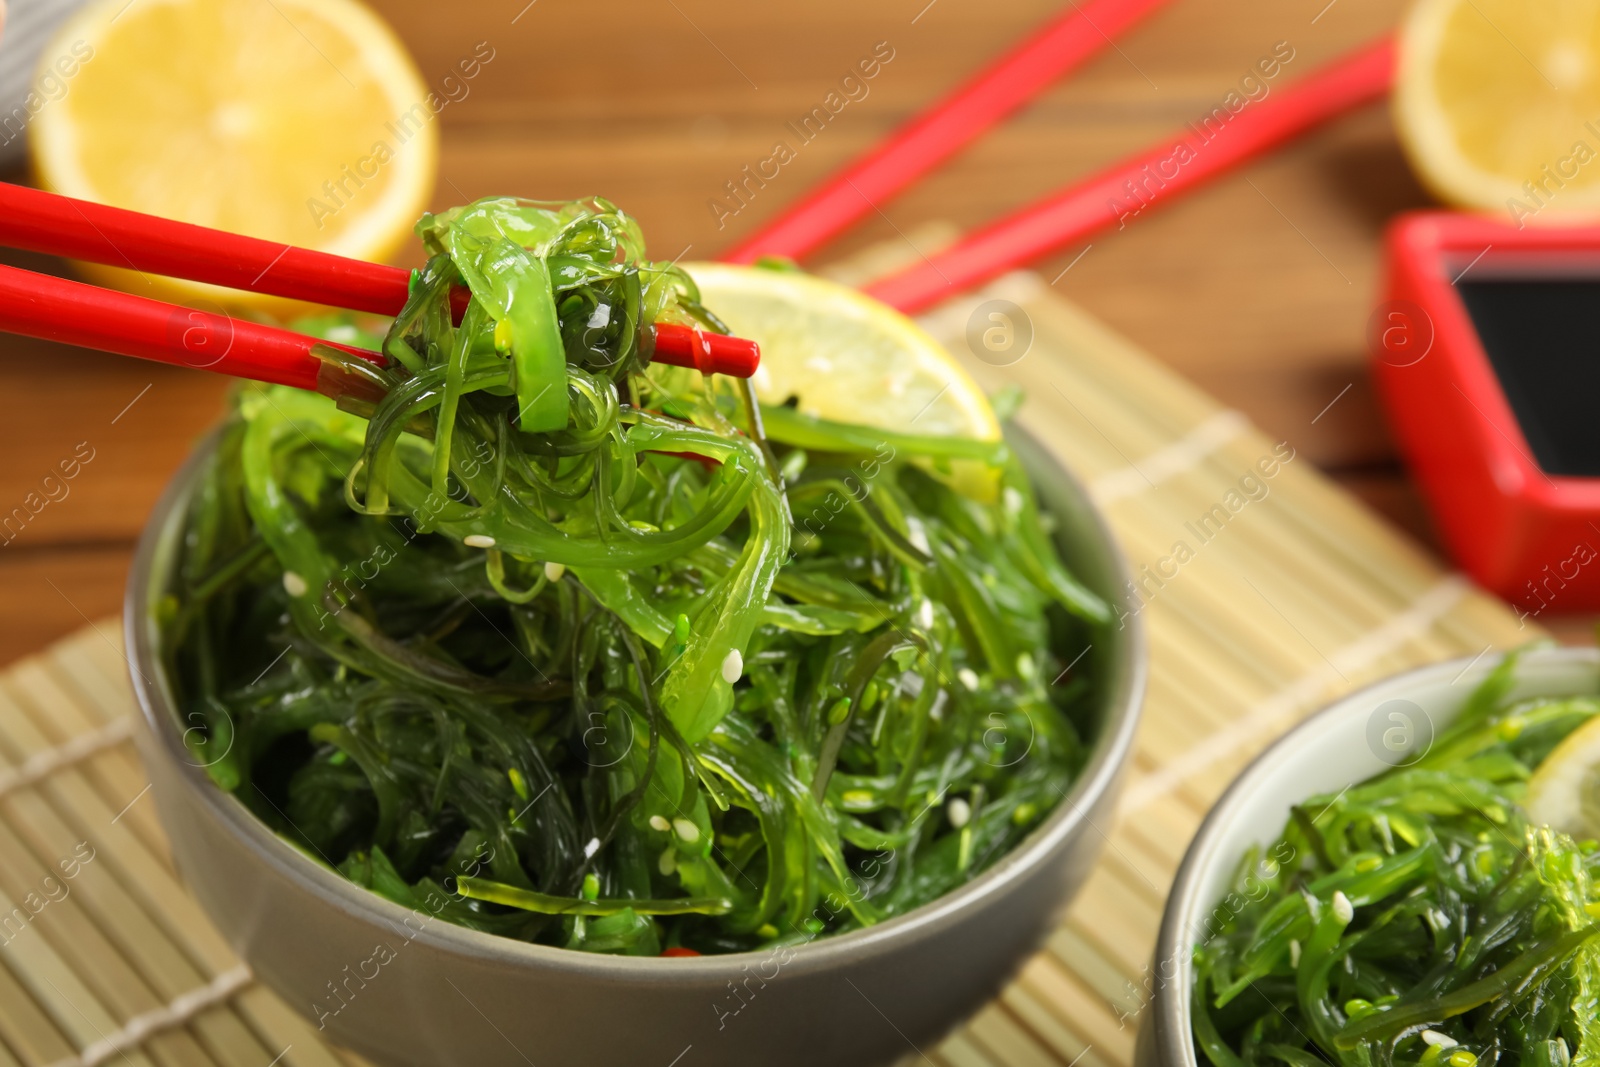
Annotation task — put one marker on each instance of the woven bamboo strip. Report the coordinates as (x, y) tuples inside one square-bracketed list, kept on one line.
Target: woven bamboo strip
[(1191, 690), (1123, 934), (1263, 603), (276, 1027), (1295, 509), (76, 1012), (1166, 826), (1049, 1027), (1084, 959), (60, 712), (228, 1039), (1265, 719), (283, 1031), (1263, 547), (98, 700), (71, 930), (72, 667), (1006, 1040), (149, 881), (1091, 1016), (99, 892), (1142, 865), (1243, 602), (25, 1028), (961, 1050)]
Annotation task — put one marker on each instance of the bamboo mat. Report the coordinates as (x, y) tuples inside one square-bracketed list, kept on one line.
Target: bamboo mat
[(1279, 603)]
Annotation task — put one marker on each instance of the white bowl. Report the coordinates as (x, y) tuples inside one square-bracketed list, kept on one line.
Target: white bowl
[(1384, 725)]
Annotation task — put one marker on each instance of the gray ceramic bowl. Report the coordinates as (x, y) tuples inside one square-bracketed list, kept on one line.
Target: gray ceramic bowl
[(1361, 735), (437, 995)]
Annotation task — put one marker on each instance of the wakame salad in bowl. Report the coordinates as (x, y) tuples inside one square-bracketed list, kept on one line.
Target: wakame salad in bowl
[(534, 684), (1410, 877)]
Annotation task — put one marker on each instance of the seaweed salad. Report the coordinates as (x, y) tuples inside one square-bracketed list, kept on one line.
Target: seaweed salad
[(1420, 917), (523, 631)]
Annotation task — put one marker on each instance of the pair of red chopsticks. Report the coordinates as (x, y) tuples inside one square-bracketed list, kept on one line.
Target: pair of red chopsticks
[(1100, 201), (42, 306)]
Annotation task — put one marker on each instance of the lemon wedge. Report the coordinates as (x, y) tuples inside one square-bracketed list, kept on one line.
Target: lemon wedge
[(845, 357), (1564, 791), (1497, 103), (302, 121)]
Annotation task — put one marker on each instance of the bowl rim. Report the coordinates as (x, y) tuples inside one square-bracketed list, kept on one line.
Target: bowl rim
[(1171, 1029), (1122, 708)]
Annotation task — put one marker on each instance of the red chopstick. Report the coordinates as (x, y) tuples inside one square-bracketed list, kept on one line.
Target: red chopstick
[(37, 221), (55, 309), (942, 129), (1147, 179)]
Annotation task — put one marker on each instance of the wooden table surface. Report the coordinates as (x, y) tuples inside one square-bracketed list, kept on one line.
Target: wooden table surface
[(1257, 287)]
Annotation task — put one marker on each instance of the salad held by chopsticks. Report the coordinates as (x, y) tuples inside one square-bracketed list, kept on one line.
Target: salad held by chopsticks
[(560, 644)]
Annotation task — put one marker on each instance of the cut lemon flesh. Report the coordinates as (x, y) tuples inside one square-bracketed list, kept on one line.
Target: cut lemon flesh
[(1498, 104), (1564, 791), (845, 357), (301, 121)]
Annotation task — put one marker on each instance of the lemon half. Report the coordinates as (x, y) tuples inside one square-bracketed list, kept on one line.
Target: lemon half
[(846, 357), (1564, 791), (301, 121), (1497, 103)]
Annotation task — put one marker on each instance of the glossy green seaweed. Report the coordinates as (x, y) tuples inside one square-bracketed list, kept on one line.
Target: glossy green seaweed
[(1417, 917), (556, 643)]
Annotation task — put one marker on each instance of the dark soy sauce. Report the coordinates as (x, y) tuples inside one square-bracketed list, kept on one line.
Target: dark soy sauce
[(1543, 340)]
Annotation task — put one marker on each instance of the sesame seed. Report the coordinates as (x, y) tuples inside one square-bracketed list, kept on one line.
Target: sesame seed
[(686, 830), (969, 677), (554, 571), (1438, 1040), (733, 667), (1025, 665), (591, 848), (925, 615), (1343, 910), (959, 812), (668, 861), (659, 822), (478, 541), (1294, 953), (917, 536), (294, 585)]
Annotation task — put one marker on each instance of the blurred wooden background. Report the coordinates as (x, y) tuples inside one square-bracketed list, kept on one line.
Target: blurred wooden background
[(1258, 287)]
